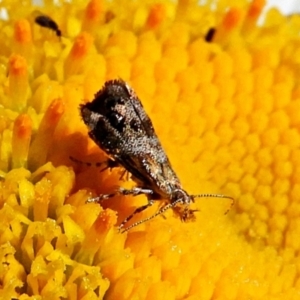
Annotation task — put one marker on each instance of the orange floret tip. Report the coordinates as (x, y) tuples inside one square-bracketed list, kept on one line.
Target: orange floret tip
[(54, 112), (75, 61), (94, 10), (22, 127), (18, 82), (94, 16), (106, 220), (82, 45), (157, 15), (23, 31), (256, 8), (21, 140), (17, 65), (233, 18), (44, 138)]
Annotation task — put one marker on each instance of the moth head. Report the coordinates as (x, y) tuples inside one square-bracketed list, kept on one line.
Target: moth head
[(181, 207)]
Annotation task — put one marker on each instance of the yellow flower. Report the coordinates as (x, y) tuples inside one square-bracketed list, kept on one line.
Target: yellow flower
[(227, 112)]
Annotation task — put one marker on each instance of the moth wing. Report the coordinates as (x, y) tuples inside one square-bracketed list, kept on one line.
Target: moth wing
[(145, 122)]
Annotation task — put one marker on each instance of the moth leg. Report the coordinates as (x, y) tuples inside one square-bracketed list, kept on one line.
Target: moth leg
[(159, 212), (186, 214), (124, 175), (137, 211), (121, 191), (135, 191), (108, 164)]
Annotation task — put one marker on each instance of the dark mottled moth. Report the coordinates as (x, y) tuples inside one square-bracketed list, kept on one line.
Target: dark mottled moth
[(120, 126)]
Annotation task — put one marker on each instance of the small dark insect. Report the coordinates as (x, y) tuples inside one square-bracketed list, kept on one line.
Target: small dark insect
[(120, 126), (46, 21), (210, 34)]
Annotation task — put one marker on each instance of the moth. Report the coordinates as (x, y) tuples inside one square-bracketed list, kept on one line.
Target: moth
[(119, 125)]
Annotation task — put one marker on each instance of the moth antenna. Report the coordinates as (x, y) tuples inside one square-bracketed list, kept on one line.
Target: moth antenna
[(159, 212), (232, 201)]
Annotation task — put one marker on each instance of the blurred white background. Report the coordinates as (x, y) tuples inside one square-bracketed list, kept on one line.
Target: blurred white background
[(287, 7)]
